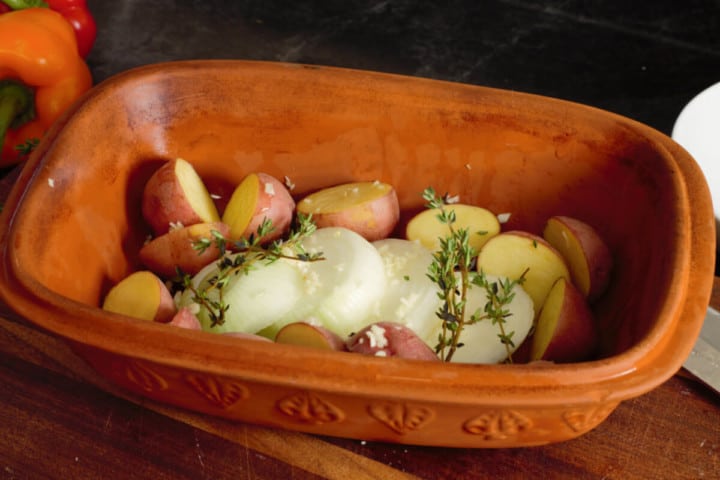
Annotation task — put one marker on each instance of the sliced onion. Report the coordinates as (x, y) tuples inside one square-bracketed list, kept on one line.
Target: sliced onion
[(410, 297)]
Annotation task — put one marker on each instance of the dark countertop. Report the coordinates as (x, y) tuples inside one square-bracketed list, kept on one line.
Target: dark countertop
[(643, 59)]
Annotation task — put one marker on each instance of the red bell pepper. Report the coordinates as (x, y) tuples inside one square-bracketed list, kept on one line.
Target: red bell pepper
[(75, 12), (41, 75)]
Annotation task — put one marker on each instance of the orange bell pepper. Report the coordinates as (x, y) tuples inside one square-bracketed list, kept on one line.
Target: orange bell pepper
[(41, 75)]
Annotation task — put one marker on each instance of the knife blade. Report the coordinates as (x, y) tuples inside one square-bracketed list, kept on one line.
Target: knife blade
[(704, 360)]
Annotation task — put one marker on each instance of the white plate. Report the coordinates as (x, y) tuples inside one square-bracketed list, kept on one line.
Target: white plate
[(697, 129)]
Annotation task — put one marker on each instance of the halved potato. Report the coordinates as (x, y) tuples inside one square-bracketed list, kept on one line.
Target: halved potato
[(259, 197), (368, 208), (141, 295), (512, 254), (176, 195), (427, 228)]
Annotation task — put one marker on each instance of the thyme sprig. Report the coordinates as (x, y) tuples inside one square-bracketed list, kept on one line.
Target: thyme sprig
[(241, 256), (27, 147), (452, 269)]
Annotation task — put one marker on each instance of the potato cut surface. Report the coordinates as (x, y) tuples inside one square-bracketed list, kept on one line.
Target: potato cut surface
[(341, 197), (241, 207), (196, 192), (426, 228)]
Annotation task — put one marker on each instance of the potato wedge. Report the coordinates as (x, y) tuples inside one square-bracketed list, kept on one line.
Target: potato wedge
[(509, 254), (588, 257), (426, 228), (390, 339), (309, 335), (259, 197), (141, 295), (176, 195), (565, 330), (368, 208), (185, 318), (174, 249)]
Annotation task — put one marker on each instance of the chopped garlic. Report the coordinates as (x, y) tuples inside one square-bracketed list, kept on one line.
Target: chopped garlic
[(453, 199), (288, 183), (312, 282), (376, 335), (503, 217), (269, 189), (381, 353), (51, 182), (176, 225)]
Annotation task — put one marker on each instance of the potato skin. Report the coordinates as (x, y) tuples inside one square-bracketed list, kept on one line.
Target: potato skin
[(273, 202), (566, 330), (585, 252), (143, 295), (175, 249), (511, 253), (309, 335), (247, 336), (165, 202), (426, 228), (372, 216), (390, 339), (184, 318)]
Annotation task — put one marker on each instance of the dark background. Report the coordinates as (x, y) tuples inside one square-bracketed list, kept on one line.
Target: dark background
[(642, 59)]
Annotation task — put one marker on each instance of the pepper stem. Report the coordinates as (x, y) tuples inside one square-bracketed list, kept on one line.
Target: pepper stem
[(17, 106), (21, 4)]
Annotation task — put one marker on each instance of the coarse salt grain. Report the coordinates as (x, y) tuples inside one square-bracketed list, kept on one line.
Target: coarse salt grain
[(503, 217), (376, 336), (51, 182)]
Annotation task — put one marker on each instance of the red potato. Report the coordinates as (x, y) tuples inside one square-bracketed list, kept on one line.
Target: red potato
[(389, 339), (247, 336), (184, 318), (175, 194), (565, 330), (426, 228), (509, 254), (370, 209), (308, 335), (586, 253), (259, 197), (141, 295), (175, 249)]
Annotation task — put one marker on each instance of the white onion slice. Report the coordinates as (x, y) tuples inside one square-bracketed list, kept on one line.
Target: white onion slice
[(411, 297)]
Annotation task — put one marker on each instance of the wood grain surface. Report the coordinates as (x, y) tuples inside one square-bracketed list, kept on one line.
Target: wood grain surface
[(58, 419)]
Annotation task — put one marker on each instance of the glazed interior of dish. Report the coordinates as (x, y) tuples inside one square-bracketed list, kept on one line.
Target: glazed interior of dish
[(510, 153)]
